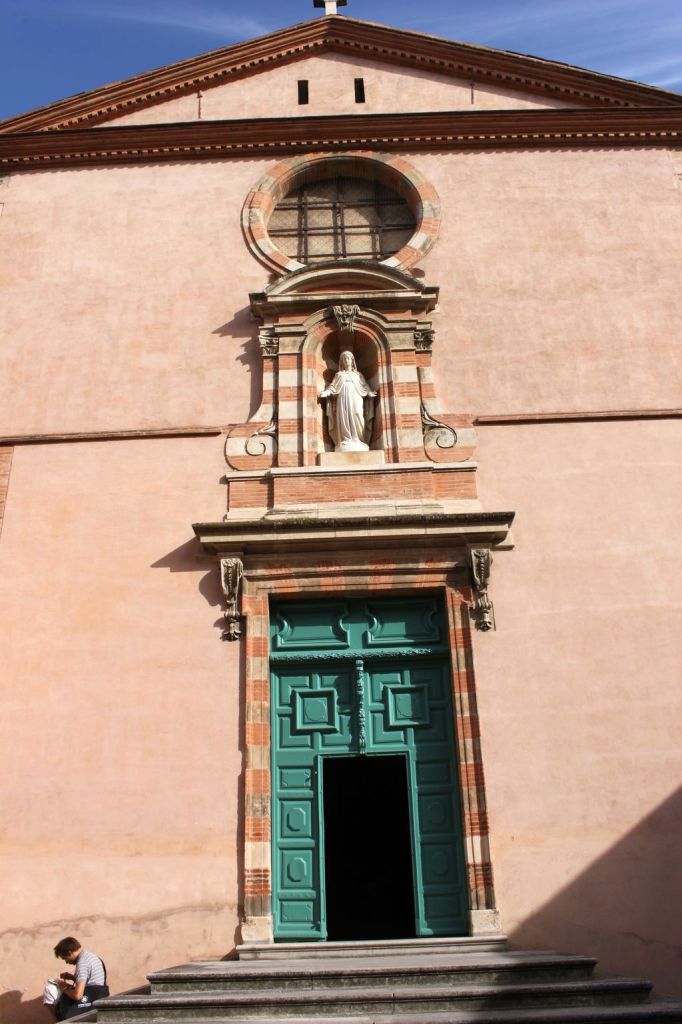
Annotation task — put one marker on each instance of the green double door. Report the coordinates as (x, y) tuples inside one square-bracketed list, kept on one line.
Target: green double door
[(365, 803)]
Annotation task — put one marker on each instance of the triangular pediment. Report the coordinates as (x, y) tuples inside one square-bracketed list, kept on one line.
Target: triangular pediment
[(548, 82), (331, 77)]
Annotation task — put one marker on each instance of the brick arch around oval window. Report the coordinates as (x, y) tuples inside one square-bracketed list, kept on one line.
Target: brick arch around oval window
[(390, 170)]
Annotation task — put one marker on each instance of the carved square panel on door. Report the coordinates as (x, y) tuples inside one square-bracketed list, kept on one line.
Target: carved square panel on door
[(316, 711), (406, 705), (295, 819), (297, 869)]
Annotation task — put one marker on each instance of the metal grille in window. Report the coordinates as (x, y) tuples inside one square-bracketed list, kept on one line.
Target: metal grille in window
[(341, 218)]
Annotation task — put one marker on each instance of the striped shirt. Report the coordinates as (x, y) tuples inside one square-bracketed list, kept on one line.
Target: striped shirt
[(90, 969)]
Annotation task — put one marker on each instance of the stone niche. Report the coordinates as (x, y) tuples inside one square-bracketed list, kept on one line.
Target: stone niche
[(283, 462)]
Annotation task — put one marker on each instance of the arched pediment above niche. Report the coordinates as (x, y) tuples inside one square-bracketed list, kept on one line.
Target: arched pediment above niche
[(365, 283), (346, 274)]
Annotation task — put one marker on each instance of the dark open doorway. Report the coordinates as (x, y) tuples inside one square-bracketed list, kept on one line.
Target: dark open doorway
[(368, 852)]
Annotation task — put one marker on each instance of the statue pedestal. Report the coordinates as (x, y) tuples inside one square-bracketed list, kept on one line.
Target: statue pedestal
[(342, 460)]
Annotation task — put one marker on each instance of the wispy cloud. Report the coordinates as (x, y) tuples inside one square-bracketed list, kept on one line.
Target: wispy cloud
[(202, 18), (498, 20), (663, 71), (618, 37)]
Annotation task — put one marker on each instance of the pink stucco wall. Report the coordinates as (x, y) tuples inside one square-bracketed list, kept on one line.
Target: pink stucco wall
[(125, 292), (126, 289), (388, 89), (558, 279), (124, 721), (121, 712), (579, 693)]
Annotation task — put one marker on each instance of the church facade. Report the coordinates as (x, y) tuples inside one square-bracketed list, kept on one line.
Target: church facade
[(339, 481)]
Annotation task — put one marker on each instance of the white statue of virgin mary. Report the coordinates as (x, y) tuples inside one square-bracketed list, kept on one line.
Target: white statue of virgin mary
[(349, 407)]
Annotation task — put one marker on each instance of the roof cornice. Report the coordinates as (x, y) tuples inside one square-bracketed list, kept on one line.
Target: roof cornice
[(347, 36), (274, 137)]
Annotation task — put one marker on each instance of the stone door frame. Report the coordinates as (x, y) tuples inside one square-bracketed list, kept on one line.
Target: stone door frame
[(359, 574)]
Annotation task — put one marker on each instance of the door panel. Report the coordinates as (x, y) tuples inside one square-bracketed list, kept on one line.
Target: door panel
[(299, 625), (386, 692), (306, 710), (395, 622), (296, 829)]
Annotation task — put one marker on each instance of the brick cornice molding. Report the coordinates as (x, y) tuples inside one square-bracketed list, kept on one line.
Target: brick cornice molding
[(349, 36), (210, 140)]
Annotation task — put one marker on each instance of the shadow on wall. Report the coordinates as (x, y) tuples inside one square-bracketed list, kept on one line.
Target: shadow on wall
[(242, 327), (187, 558), (625, 908), (15, 1010)]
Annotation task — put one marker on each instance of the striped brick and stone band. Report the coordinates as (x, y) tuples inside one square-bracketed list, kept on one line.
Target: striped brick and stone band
[(388, 169)]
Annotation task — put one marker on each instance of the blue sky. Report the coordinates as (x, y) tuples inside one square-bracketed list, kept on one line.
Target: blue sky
[(50, 49)]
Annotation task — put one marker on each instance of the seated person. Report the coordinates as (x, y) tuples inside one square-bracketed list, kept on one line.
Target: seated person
[(87, 983)]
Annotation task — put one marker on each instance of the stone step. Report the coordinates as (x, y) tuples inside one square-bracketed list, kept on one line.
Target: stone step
[(352, 972), (385, 947), (648, 1013), (257, 1004)]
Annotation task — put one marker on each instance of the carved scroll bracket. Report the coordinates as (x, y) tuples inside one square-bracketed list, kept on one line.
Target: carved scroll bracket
[(255, 445), (231, 573), (436, 432), (243, 440), (483, 612)]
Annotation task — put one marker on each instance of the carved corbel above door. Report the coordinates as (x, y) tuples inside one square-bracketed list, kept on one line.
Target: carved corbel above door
[(483, 612), (231, 573)]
